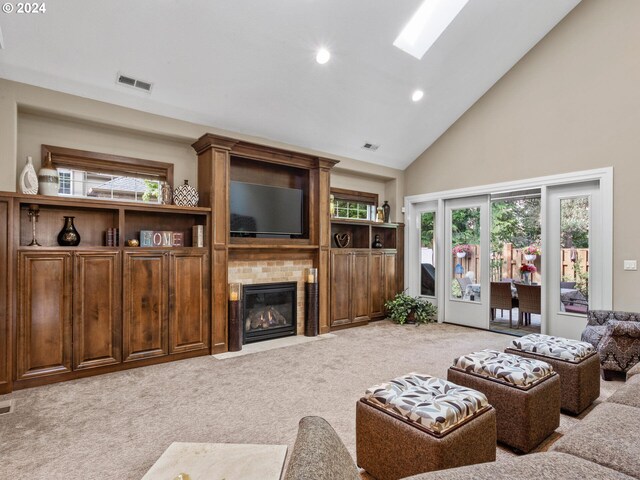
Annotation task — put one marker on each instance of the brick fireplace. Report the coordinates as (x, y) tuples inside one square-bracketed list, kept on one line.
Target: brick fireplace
[(274, 271)]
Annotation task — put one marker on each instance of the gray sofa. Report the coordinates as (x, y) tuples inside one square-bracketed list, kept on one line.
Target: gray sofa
[(604, 445)]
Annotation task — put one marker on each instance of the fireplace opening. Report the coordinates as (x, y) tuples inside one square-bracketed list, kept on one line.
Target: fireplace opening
[(269, 311)]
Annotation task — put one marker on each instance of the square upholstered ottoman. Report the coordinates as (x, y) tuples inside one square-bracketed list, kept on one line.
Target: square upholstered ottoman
[(576, 362), (418, 423), (524, 392)]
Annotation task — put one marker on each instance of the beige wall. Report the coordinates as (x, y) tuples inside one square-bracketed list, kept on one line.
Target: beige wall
[(572, 103), (31, 116)]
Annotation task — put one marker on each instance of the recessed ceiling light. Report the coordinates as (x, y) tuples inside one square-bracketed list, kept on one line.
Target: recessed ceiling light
[(323, 56), (417, 95), (427, 24)]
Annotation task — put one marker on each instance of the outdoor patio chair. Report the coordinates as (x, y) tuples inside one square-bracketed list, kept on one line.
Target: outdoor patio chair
[(501, 298), (464, 282), (529, 302)]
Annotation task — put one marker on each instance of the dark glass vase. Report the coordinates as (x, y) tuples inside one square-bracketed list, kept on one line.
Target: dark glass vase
[(386, 208), (68, 236)]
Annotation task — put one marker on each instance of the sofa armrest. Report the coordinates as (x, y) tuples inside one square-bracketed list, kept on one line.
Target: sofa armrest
[(319, 454), (618, 328)]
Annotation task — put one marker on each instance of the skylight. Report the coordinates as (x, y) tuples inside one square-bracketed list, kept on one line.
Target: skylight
[(427, 24)]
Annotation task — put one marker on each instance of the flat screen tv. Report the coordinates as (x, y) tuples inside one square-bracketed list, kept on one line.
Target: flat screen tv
[(261, 210)]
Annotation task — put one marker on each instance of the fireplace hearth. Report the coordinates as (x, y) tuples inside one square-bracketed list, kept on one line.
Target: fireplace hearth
[(269, 311)]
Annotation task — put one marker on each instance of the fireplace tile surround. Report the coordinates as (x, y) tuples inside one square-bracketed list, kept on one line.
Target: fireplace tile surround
[(273, 271)]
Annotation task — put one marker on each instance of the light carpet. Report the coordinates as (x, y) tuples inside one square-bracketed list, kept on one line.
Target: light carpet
[(116, 426)]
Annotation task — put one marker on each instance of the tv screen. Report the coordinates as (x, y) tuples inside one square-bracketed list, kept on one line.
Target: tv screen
[(265, 210)]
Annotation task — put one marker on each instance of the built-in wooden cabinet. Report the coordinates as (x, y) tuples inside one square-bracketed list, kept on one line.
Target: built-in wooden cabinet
[(97, 328), (44, 326), (363, 278), (349, 287), (96, 308), (188, 301), (6, 342), (377, 284), (146, 305)]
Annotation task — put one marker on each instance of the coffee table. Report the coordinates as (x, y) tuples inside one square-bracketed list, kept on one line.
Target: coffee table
[(218, 461)]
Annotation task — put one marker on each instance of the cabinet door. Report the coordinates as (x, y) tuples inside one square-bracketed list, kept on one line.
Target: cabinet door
[(390, 275), (145, 319), (188, 302), (376, 279), (360, 290), (340, 288), (97, 291), (44, 314)]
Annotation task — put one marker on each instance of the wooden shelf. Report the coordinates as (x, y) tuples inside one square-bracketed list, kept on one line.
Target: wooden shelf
[(355, 221), (68, 249), (257, 246), (102, 204)]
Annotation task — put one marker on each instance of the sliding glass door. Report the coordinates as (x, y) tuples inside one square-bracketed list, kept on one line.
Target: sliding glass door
[(466, 266), (574, 263)]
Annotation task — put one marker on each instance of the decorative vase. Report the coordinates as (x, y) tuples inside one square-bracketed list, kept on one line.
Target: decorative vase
[(530, 258), (29, 179), (386, 208), (526, 278), (69, 236), (48, 178), (379, 214), (461, 254), (166, 194), (332, 206), (376, 242), (185, 195), (411, 318)]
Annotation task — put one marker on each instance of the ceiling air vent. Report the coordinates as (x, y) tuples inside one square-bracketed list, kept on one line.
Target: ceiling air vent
[(135, 83), (370, 146)]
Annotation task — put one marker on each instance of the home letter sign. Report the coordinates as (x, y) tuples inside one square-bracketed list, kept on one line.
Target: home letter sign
[(152, 238)]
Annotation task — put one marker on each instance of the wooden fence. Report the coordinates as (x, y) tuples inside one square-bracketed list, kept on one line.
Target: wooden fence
[(512, 258)]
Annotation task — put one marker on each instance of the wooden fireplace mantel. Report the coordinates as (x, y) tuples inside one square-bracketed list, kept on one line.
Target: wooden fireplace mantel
[(221, 159)]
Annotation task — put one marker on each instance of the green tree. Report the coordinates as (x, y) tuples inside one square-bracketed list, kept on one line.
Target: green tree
[(574, 222)]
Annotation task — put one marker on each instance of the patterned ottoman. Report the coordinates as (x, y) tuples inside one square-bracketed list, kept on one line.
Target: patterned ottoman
[(418, 423), (524, 392), (577, 363)]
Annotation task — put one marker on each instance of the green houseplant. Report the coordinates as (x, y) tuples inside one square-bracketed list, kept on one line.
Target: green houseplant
[(407, 309)]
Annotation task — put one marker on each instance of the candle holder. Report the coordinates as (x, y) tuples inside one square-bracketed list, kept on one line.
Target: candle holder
[(235, 320), (34, 213), (311, 303)]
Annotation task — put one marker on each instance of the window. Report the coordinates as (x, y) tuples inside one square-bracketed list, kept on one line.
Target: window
[(65, 182), (345, 209), (427, 254), (353, 204), (103, 176)]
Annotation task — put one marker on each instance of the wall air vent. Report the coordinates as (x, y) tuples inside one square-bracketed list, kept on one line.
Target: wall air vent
[(132, 82), (370, 146)]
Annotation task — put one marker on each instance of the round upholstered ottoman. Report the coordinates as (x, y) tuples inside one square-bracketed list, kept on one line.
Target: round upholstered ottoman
[(524, 392), (417, 423), (576, 362)]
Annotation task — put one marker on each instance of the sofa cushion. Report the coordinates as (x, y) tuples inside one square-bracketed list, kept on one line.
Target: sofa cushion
[(505, 367), (432, 402), (593, 334), (607, 436), (319, 454), (633, 371), (554, 347), (628, 394), (541, 466)]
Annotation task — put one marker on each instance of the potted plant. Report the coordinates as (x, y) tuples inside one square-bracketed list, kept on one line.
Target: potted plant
[(526, 269), (407, 309), (461, 251), (531, 252)]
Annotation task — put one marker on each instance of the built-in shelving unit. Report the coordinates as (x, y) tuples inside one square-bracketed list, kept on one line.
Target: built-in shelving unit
[(94, 308), (363, 277)]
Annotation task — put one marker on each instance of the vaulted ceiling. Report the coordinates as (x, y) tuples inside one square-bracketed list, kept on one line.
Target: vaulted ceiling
[(249, 65)]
